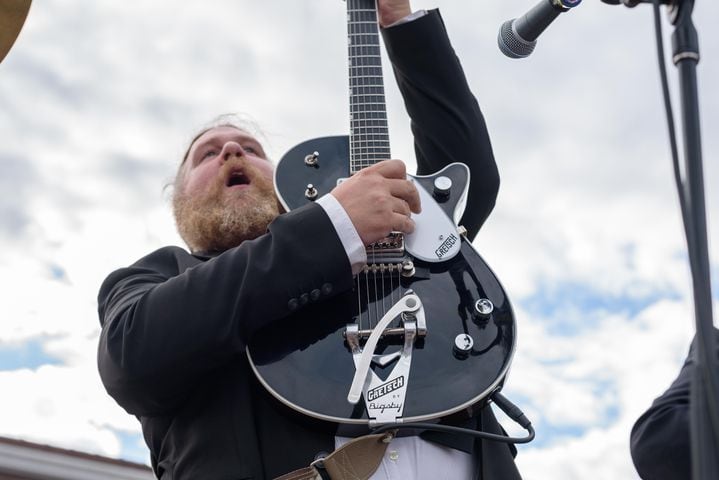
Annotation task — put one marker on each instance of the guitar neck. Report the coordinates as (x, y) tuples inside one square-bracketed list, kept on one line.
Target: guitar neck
[(369, 136)]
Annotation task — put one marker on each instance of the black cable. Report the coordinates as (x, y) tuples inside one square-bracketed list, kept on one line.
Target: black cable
[(500, 400), (457, 430), (670, 115)]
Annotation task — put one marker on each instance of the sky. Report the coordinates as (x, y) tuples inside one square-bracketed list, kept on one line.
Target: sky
[(98, 101)]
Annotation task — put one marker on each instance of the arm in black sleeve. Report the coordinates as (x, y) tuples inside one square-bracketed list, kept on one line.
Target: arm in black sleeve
[(660, 438), (447, 123), (170, 318)]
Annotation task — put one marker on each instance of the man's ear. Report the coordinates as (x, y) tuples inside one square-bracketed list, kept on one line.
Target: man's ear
[(12, 17)]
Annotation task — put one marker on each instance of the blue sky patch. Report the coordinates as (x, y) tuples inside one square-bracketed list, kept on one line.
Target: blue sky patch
[(549, 433), (571, 308), (28, 354), (57, 272), (133, 447)]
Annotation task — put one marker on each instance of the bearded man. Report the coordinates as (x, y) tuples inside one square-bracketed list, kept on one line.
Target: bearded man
[(175, 324)]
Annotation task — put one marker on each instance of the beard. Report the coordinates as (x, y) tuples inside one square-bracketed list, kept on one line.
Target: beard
[(221, 218)]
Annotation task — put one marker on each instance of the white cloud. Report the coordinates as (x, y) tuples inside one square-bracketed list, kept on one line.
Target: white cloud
[(99, 101), (63, 406)]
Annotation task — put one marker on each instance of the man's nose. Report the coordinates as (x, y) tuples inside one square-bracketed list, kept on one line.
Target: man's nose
[(231, 149)]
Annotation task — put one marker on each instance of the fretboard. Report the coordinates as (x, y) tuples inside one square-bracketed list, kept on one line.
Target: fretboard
[(369, 137)]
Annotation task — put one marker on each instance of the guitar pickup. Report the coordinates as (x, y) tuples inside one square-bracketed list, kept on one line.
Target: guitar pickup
[(392, 244)]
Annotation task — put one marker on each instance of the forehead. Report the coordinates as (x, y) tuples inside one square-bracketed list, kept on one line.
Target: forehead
[(221, 135)]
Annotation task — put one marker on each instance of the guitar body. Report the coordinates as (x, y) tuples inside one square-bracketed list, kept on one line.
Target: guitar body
[(311, 371)]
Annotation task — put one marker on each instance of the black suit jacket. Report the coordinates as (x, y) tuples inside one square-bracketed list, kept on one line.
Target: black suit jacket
[(175, 325), (660, 438)]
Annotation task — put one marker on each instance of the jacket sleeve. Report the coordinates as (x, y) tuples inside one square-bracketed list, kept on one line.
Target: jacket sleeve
[(164, 325), (660, 437), (446, 121)]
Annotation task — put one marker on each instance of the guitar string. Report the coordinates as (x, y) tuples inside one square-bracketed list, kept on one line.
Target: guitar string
[(368, 130), (374, 270), (359, 302), (391, 285), (369, 307), (399, 281), (384, 307)]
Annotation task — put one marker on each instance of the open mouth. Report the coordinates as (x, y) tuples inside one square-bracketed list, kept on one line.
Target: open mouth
[(237, 178)]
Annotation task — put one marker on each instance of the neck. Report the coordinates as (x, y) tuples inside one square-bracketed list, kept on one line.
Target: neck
[(369, 136)]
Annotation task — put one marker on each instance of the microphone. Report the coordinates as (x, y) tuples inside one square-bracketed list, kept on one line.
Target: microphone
[(518, 37)]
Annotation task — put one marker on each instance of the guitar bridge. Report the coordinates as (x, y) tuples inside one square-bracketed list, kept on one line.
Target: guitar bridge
[(355, 336)]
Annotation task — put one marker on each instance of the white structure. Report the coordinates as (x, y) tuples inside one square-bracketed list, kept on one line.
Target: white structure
[(20, 460)]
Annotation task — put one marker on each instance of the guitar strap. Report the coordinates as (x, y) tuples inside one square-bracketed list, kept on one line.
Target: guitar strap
[(355, 460)]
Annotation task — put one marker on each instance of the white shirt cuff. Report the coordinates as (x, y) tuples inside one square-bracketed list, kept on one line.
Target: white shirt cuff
[(351, 241), (409, 18)]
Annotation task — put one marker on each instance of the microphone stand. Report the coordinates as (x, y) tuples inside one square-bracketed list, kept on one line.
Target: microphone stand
[(704, 394), (704, 398)]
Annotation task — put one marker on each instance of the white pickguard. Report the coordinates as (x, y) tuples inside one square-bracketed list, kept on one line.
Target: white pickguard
[(435, 238)]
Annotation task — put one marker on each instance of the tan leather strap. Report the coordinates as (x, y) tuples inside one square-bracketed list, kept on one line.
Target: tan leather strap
[(355, 460), (307, 473), (359, 458)]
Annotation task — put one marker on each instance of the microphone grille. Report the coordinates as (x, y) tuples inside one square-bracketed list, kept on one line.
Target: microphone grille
[(511, 44)]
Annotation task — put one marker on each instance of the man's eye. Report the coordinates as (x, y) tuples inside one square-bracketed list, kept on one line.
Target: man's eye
[(208, 154), (250, 149)]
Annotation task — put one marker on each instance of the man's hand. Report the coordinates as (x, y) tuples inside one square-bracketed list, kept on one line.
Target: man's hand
[(379, 200), (392, 10)]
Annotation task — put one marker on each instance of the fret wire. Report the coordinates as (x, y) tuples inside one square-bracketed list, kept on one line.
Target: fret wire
[(367, 99), (360, 121), (377, 97), (370, 38), (367, 90), (380, 129), (359, 117), (365, 71)]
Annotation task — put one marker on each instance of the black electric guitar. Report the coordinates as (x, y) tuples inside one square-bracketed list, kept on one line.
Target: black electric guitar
[(428, 330)]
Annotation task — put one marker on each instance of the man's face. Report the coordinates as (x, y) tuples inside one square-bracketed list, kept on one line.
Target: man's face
[(224, 192)]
